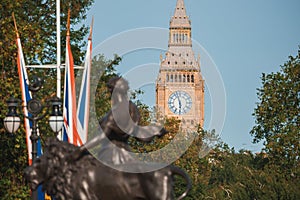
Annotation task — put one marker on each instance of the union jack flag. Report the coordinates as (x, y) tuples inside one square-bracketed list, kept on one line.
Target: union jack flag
[(70, 132), (84, 96), (26, 96)]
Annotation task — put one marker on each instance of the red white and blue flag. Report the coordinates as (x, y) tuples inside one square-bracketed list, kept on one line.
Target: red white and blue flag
[(26, 96), (84, 95), (75, 129), (70, 132)]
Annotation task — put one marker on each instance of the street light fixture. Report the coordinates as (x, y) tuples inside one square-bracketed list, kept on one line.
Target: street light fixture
[(56, 118), (12, 120), (35, 110)]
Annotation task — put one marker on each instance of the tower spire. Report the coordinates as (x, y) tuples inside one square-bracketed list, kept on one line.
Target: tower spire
[(180, 27), (180, 19)]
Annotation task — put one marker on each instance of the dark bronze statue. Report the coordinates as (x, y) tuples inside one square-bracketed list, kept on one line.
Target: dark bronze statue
[(89, 179), (118, 125), (69, 172)]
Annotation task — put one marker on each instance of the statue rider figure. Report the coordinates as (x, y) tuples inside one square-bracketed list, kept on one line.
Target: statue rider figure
[(118, 125)]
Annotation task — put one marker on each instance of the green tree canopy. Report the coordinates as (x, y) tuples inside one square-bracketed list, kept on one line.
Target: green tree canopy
[(36, 22), (277, 115)]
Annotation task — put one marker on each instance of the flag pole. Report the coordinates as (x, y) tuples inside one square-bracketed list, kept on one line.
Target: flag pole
[(68, 22), (91, 29), (58, 49), (30, 129), (58, 57), (15, 24)]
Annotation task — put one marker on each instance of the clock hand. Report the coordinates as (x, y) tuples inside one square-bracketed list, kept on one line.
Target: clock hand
[(179, 102), (175, 109)]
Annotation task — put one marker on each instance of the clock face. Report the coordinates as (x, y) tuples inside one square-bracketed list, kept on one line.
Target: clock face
[(180, 102)]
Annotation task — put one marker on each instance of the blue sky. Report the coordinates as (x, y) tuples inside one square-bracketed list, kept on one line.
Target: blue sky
[(243, 38)]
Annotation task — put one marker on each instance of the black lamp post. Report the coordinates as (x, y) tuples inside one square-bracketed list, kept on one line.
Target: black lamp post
[(35, 110)]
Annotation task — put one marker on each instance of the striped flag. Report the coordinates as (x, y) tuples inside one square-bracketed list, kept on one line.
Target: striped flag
[(70, 132), (26, 96), (84, 95)]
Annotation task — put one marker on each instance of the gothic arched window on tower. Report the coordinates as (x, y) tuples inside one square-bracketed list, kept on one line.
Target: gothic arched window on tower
[(192, 79), (167, 77), (188, 78)]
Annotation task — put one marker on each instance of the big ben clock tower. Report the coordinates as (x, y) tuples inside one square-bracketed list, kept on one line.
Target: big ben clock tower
[(179, 85)]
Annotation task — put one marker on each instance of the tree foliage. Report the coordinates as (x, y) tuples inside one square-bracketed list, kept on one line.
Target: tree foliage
[(277, 115), (243, 175), (102, 70), (220, 174), (36, 23)]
